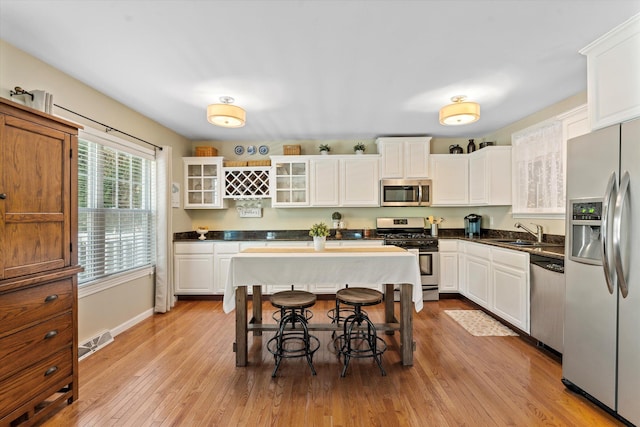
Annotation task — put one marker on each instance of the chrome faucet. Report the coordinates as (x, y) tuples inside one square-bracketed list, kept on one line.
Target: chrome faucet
[(538, 233)]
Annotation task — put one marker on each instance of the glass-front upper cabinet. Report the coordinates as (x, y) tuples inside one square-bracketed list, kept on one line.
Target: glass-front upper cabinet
[(290, 181), (203, 183)]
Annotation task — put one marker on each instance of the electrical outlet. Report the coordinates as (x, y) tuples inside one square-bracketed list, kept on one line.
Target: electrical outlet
[(490, 221)]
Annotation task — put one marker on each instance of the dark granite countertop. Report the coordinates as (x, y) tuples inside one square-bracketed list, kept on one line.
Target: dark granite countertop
[(492, 237), (488, 237), (272, 235)]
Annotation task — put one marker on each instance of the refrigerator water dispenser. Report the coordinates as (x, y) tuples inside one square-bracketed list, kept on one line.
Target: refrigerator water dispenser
[(585, 231)]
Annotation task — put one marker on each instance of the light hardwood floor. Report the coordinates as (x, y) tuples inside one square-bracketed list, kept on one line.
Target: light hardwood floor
[(178, 369)]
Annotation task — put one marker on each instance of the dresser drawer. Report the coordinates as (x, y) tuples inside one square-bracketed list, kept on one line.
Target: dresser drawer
[(23, 307), (48, 375), (26, 347)]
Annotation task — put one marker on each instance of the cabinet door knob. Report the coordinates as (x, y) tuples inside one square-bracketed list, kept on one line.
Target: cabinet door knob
[(50, 371), (3, 196), (50, 334), (51, 298)]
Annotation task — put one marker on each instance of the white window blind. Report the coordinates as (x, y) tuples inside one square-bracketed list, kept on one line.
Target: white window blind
[(538, 170), (115, 209)]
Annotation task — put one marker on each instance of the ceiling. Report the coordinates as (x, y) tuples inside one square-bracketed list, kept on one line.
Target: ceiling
[(312, 69)]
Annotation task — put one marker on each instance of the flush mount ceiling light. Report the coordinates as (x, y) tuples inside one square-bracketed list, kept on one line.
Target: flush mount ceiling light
[(225, 114), (460, 112)]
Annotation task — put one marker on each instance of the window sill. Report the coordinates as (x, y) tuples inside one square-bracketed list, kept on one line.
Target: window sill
[(539, 215), (100, 285)]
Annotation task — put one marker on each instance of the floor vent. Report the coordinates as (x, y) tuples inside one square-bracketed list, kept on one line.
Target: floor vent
[(94, 344)]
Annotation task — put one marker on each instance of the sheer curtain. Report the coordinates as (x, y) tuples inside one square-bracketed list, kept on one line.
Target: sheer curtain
[(165, 298), (538, 170)]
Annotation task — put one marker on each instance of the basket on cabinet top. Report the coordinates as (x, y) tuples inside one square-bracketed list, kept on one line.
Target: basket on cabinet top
[(292, 150), (206, 151)]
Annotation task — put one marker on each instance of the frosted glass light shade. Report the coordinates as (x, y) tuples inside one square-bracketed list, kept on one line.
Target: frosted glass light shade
[(459, 113), (226, 115)]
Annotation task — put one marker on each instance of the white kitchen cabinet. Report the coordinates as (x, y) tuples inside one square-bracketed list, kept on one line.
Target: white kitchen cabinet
[(404, 157), (448, 252), (193, 268), (462, 278), (289, 181), (359, 181), (510, 281), (325, 181), (203, 183), (575, 123), (613, 67), (478, 274), (450, 179), (344, 180), (496, 279), (490, 176)]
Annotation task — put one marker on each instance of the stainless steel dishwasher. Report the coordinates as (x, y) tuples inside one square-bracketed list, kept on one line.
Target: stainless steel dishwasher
[(547, 301)]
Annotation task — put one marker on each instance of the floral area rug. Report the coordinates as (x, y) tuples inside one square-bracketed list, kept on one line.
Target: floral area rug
[(480, 324)]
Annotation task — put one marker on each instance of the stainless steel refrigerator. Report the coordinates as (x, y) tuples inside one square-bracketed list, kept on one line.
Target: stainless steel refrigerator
[(601, 356)]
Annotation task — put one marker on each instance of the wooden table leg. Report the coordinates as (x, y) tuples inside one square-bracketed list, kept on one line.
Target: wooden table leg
[(406, 324), (389, 307), (241, 326), (257, 308)]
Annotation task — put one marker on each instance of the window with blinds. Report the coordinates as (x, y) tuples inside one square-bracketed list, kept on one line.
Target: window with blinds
[(116, 201)]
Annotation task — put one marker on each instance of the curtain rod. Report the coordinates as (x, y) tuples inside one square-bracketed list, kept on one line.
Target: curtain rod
[(109, 128)]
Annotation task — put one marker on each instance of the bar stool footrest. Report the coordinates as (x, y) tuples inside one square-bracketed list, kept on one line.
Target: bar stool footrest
[(357, 349), (293, 345), (277, 315)]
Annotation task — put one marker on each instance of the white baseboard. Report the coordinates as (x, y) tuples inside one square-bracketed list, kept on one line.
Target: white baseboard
[(131, 322)]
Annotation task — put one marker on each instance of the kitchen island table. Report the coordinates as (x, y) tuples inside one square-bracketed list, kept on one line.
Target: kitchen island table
[(356, 266)]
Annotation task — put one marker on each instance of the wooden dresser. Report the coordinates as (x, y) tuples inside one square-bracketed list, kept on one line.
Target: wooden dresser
[(38, 264)]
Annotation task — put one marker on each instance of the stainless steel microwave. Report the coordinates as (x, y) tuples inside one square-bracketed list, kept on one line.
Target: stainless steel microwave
[(405, 192)]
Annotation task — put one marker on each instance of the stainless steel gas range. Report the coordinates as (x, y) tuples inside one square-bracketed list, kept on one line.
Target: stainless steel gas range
[(410, 234)]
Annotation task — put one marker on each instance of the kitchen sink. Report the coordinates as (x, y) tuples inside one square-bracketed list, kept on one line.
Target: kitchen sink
[(526, 243)]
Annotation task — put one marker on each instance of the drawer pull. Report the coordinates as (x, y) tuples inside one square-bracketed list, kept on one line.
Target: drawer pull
[(50, 334), (51, 298), (50, 371)]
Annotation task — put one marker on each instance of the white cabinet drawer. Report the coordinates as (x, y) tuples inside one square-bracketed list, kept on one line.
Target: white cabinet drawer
[(512, 258), (445, 245), (288, 243), (227, 248), (193, 248), (479, 250)]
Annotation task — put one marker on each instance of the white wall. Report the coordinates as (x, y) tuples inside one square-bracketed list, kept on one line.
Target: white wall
[(114, 307)]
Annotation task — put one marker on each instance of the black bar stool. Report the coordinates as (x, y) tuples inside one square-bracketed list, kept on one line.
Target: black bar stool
[(357, 341), (293, 338)]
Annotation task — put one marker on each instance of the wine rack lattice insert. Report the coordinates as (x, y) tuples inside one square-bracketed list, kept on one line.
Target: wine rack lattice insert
[(246, 182)]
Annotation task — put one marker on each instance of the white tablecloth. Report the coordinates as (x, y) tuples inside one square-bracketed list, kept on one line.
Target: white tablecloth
[(355, 266)]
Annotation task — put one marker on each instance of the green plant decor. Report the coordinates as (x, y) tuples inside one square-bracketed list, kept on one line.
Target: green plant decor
[(319, 230), (324, 147), (358, 147), (336, 216)]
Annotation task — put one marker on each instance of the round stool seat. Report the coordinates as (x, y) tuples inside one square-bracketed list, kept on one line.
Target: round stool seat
[(359, 296), (293, 299)]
